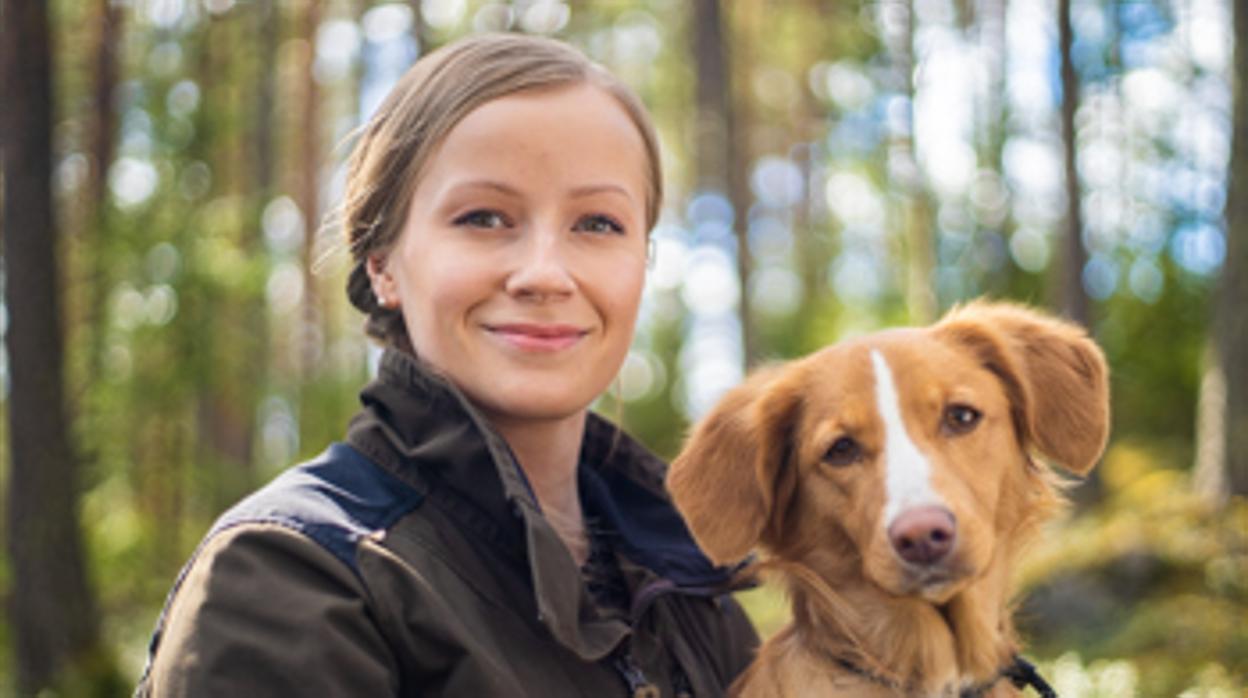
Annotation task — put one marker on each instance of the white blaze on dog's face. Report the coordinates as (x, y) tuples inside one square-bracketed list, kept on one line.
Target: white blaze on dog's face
[(907, 473)]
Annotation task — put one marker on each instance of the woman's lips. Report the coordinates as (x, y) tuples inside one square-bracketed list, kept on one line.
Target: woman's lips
[(538, 337)]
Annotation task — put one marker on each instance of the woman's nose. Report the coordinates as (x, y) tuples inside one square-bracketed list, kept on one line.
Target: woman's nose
[(542, 271)]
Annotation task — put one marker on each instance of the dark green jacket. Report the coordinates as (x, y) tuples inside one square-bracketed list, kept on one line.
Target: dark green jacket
[(413, 560)]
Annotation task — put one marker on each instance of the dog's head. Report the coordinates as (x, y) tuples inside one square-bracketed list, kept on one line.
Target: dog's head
[(909, 449)]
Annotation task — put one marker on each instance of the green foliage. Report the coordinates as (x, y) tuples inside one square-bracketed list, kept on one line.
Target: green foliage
[(1155, 391), (1120, 678), (1156, 573), (767, 608)]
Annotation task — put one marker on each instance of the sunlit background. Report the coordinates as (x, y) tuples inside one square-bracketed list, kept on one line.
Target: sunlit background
[(868, 163)]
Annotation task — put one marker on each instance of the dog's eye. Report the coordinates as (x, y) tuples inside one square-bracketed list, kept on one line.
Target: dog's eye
[(844, 451), (960, 419)]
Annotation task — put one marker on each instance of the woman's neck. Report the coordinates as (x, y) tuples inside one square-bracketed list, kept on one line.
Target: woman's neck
[(549, 451)]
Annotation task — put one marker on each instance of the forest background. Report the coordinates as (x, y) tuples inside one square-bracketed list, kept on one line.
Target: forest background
[(176, 330)]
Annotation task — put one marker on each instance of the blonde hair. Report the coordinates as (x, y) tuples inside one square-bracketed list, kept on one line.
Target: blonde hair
[(427, 102)]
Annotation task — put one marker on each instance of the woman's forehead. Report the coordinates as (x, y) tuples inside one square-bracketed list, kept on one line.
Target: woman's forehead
[(579, 132)]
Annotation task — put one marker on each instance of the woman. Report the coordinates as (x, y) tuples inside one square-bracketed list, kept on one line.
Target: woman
[(479, 533)]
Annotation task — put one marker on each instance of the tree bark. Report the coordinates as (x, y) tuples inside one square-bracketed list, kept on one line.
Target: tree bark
[(1073, 303), (1073, 299), (1231, 329), (102, 146), (917, 209), (720, 154), (990, 27), (252, 374), (266, 27), (309, 191), (421, 30), (53, 614), (103, 127)]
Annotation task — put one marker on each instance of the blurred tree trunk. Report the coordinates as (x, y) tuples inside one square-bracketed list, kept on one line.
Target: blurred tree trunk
[(267, 29), (809, 242), (1073, 299), (721, 151), (420, 28), (52, 611), (988, 19), (811, 229), (101, 147), (224, 416), (103, 122), (1231, 328), (250, 363), (734, 47), (918, 208), (309, 186)]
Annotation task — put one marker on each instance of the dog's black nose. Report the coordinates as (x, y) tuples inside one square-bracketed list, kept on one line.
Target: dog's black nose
[(924, 536)]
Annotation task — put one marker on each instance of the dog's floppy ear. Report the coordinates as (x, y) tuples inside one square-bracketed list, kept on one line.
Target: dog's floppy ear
[(726, 481), (1055, 377)]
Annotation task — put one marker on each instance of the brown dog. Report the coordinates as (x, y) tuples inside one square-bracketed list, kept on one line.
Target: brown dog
[(890, 480)]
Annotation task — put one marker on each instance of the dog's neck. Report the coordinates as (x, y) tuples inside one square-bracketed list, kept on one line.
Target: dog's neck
[(909, 643)]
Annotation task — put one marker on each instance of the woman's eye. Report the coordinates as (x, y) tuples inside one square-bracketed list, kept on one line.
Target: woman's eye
[(482, 218), (961, 419), (599, 224), (843, 451)]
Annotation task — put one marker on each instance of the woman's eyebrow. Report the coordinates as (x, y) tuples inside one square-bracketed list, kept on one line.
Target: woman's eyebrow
[(575, 192), (591, 189), (491, 184)]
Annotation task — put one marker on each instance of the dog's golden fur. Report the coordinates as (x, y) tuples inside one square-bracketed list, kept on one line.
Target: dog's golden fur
[(755, 473)]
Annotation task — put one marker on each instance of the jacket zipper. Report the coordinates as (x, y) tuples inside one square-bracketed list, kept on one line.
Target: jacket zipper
[(638, 685), (646, 596), (680, 683)]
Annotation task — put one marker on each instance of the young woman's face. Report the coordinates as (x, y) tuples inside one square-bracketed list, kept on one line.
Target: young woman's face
[(520, 267)]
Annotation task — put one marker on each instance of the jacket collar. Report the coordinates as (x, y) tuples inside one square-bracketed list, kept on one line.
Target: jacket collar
[(419, 426)]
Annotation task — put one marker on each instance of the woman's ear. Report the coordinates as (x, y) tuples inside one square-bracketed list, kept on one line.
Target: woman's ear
[(384, 286), (725, 480), (1054, 374)]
